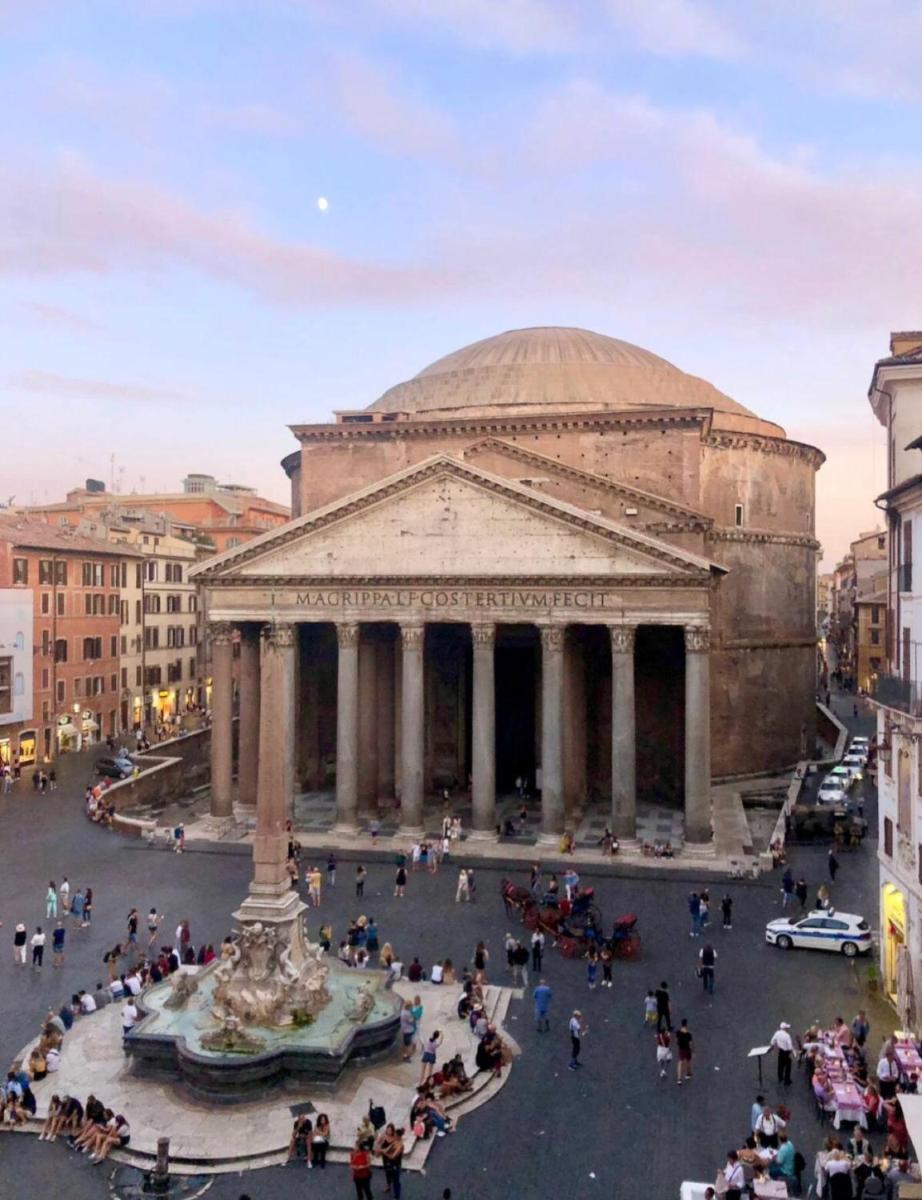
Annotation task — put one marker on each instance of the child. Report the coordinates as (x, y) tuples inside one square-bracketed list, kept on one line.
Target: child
[(649, 1008), (663, 1051), (592, 968)]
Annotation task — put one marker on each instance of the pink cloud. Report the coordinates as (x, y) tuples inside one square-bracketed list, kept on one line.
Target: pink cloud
[(53, 314), (46, 383), (77, 221), (383, 112), (677, 28)]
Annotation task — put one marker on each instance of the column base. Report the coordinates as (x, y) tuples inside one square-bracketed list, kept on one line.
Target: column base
[(481, 835), (285, 907), (414, 831), (549, 839), (245, 814), (700, 849), (219, 827), (629, 845), (349, 828)]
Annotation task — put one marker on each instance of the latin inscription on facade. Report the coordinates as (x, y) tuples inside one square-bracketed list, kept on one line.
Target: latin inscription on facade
[(436, 598)]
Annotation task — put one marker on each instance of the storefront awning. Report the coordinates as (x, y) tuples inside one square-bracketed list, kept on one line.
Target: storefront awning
[(90, 725), (68, 730), (912, 1111)]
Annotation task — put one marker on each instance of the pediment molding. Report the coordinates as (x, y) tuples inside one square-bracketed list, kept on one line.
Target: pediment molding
[(600, 582), (444, 466), (688, 518)]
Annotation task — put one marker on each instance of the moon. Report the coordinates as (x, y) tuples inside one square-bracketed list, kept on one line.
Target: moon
[(323, 203)]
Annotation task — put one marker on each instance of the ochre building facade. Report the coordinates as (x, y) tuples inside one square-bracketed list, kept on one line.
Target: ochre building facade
[(551, 556)]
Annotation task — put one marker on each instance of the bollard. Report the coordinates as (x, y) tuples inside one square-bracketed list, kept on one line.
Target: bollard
[(161, 1176)]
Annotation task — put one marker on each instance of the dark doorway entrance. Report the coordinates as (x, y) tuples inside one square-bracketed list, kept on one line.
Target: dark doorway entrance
[(659, 675), (518, 651)]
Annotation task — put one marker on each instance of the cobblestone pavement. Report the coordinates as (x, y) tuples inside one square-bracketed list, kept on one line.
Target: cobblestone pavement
[(612, 1128)]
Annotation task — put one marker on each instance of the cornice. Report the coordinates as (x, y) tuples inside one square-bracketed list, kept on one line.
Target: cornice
[(698, 582), (523, 422), (762, 537), (588, 479), (526, 497), (766, 445)]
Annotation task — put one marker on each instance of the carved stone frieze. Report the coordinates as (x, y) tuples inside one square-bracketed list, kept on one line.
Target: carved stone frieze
[(483, 635), (622, 638), (413, 636), (552, 638), (221, 633), (279, 635), (697, 639), (347, 633), (766, 445)]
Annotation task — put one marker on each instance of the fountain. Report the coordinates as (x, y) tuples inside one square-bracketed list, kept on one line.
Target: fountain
[(277, 1007)]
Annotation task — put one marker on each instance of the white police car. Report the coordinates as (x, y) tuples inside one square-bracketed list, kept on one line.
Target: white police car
[(823, 929)]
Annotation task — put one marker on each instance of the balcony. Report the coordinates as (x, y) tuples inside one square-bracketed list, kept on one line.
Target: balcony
[(895, 692)]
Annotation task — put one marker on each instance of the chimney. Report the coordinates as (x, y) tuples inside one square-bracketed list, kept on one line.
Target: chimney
[(906, 342)]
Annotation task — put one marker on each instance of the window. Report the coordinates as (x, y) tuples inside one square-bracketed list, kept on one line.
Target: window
[(46, 643), (193, 635), (99, 604), (60, 650), (113, 683), (88, 603), (60, 691), (6, 684), (78, 686), (151, 637), (137, 676), (113, 646), (151, 572), (19, 684), (888, 837), (137, 612), (875, 637), (906, 567), (46, 710), (45, 678), (152, 603), (20, 570), (45, 574), (123, 575), (93, 575), (875, 614), (152, 676), (738, 515), (92, 649), (60, 573), (59, 604), (906, 654), (234, 542), (882, 542), (46, 602), (114, 575), (124, 677), (138, 575), (193, 604), (191, 668), (113, 604)]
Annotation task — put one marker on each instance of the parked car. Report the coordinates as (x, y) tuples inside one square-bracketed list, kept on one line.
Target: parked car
[(115, 768), (855, 764), (822, 929), (859, 748)]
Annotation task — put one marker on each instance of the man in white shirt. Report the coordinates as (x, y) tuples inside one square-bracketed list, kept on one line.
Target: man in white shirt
[(87, 1003), (130, 1015), (735, 1177), (133, 983), (769, 1126), (784, 1045), (888, 1074)]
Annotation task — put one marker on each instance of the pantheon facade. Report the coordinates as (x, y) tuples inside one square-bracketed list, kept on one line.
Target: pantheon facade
[(550, 556)]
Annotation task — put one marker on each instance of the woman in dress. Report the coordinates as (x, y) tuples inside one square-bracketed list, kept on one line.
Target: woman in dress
[(400, 882)]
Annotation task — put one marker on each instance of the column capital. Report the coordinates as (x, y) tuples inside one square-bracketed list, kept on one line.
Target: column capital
[(697, 639), (412, 636), (347, 633), (622, 638), (221, 633), (552, 637), (279, 636), (483, 635)]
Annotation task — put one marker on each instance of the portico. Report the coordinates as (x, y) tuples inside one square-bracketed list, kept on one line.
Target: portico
[(528, 641)]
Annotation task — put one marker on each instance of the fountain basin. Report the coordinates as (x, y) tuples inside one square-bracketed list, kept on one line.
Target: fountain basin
[(360, 1022)]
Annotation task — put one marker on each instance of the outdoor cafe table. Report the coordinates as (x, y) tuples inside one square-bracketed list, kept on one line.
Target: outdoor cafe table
[(908, 1058)]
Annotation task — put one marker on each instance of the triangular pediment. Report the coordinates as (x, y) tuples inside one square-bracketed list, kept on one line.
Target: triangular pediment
[(444, 517)]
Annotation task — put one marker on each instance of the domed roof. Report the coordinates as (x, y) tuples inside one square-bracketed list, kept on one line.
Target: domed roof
[(555, 368)]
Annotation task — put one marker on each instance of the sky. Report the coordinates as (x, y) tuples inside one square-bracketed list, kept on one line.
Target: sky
[(737, 187)]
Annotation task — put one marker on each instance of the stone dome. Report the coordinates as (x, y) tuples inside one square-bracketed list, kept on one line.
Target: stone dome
[(559, 369)]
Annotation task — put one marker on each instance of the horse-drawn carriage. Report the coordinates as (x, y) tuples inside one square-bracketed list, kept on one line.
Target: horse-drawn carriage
[(575, 925)]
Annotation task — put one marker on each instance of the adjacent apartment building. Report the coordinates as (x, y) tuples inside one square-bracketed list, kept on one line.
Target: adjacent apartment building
[(896, 398), (70, 646)]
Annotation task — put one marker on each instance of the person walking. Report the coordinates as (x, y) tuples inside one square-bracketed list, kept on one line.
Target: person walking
[(471, 886), (833, 865), (726, 911), (686, 1049), (537, 951), (787, 888), (400, 882), (802, 891), (51, 901), (430, 1052), (861, 1027), (663, 1051), (360, 874), (704, 910), (606, 958), (76, 907), (19, 944), (542, 996), (663, 1007), (57, 944), (520, 963), (314, 880), (64, 895), (592, 969), (783, 1044), (694, 913), (38, 948), (331, 870), (461, 892), (577, 1032), (153, 925), (707, 959)]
